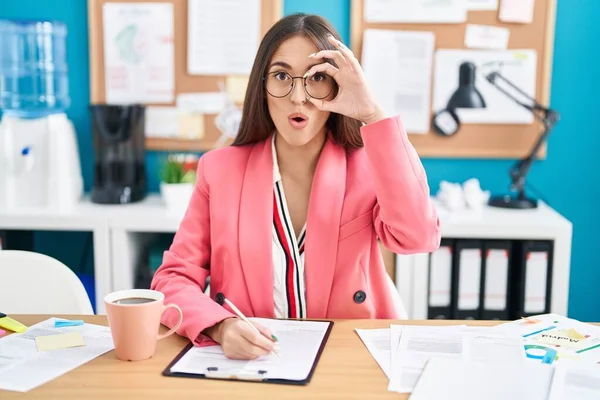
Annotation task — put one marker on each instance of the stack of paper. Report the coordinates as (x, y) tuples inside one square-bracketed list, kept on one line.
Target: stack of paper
[(408, 348), (404, 352), (43, 353)]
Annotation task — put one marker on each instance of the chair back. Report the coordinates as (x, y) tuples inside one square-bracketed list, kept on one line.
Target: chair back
[(33, 283)]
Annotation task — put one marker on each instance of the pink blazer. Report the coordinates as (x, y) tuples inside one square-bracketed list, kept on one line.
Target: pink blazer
[(379, 191)]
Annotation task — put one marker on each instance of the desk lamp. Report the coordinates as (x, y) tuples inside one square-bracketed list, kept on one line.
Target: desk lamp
[(446, 122)]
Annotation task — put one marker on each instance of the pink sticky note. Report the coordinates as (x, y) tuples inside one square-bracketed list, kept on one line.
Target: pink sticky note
[(2, 332)]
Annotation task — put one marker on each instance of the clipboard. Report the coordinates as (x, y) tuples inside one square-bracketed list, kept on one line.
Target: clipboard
[(258, 376)]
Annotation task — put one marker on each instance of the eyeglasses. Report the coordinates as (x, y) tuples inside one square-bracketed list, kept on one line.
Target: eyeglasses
[(280, 84)]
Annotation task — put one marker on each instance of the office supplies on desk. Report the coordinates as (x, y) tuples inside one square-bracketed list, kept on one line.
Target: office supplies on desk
[(60, 341), (21, 368), (2, 332), (378, 342), (64, 323), (301, 343), (11, 324)]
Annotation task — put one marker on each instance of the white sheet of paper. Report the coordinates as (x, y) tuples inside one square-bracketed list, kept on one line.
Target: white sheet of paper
[(574, 380), (486, 37), (406, 91), (203, 103), (519, 11), (518, 66), (378, 342), (456, 379), (494, 348), (299, 343), (417, 345), (139, 52), (416, 11), (482, 5), (23, 368), (222, 42), (162, 122), (395, 335)]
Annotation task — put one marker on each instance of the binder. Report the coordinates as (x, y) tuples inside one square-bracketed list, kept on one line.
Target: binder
[(440, 281), (533, 277), (496, 283), (214, 365), (467, 279)]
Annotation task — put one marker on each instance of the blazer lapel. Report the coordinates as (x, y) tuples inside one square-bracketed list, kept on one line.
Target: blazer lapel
[(322, 227), (255, 229)]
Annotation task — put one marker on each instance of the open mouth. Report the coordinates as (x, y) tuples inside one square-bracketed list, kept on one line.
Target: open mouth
[(298, 120)]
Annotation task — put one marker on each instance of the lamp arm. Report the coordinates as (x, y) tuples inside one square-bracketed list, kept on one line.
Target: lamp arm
[(546, 115)]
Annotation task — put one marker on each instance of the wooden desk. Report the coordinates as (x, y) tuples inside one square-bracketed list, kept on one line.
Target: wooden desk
[(346, 370)]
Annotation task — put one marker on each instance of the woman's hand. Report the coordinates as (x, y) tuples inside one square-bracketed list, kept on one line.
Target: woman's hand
[(354, 98), (241, 342)]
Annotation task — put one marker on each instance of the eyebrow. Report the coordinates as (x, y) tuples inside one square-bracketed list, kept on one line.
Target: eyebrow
[(287, 66)]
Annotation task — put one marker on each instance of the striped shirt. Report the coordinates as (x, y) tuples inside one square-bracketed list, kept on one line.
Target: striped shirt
[(288, 255)]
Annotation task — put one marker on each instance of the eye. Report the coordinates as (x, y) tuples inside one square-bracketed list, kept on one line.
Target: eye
[(318, 77), (280, 76)]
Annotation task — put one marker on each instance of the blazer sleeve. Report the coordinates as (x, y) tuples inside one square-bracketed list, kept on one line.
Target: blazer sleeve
[(185, 267), (404, 215)]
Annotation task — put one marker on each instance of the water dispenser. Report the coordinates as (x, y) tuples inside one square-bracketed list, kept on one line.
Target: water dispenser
[(39, 157)]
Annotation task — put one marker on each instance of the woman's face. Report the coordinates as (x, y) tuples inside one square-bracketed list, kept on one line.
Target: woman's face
[(296, 119)]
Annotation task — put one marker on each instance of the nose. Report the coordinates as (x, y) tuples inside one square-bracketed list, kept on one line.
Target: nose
[(298, 96)]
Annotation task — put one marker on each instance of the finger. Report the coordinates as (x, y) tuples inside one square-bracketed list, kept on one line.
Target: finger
[(324, 67), (256, 339), (265, 331), (334, 55), (239, 355), (344, 50)]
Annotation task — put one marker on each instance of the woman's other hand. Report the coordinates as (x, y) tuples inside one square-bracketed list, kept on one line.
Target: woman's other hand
[(354, 99), (239, 341)]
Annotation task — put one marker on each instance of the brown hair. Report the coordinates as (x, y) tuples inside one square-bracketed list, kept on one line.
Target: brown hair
[(256, 124)]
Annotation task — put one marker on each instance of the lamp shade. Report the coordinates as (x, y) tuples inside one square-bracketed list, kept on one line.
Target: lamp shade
[(467, 95)]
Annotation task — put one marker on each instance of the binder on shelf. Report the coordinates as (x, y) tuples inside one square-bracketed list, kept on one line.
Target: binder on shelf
[(467, 279), (440, 281), (533, 278), (496, 283)]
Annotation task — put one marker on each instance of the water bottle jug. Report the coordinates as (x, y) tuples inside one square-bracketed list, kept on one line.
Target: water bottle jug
[(33, 68)]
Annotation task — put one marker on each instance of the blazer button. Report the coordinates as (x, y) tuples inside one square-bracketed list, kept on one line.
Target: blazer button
[(220, 298), (359, 297)]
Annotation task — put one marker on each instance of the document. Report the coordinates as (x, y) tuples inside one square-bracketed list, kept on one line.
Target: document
[(299, 346), (406, 90), (221, 42), (139, 52), (518, 66), (202, 102), (575, 381), (161, 122), (482, 5), (486, 37), (457, 379), (518, 11), (378, 342), (23, 367), (416, 11), (418, 344)]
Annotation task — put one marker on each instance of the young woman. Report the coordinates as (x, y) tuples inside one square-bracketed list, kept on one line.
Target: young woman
[(286, 220)]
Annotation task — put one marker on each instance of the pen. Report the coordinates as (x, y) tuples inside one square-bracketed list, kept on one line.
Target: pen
[(243, 317)]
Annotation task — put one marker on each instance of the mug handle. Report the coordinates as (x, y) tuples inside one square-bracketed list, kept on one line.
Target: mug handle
[(170, 332)]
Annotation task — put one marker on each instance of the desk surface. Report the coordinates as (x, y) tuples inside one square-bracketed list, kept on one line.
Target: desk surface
[(346, 370)]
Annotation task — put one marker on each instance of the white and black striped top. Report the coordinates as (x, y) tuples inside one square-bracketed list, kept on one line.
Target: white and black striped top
[(288, 255)]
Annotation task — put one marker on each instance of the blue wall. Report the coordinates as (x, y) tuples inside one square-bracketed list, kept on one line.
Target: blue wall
[(572, 190)]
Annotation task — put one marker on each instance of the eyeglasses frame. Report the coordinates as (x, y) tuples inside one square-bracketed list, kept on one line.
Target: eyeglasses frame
[(294, 84)]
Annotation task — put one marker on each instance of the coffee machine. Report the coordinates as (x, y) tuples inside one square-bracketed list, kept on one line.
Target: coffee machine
[(119, 143), (39, 157)]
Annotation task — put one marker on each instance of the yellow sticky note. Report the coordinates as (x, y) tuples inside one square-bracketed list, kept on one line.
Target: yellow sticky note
[(60, 341), (236, 87), (191, 125)]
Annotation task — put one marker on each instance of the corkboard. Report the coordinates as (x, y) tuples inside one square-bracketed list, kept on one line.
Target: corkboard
[(271, 11), (474, 140)]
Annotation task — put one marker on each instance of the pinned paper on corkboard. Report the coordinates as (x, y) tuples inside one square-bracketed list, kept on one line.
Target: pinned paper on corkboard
[(191, 125), (236, 87)]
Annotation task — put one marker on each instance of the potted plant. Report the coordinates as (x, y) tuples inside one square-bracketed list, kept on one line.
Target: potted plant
[(177, 179)]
